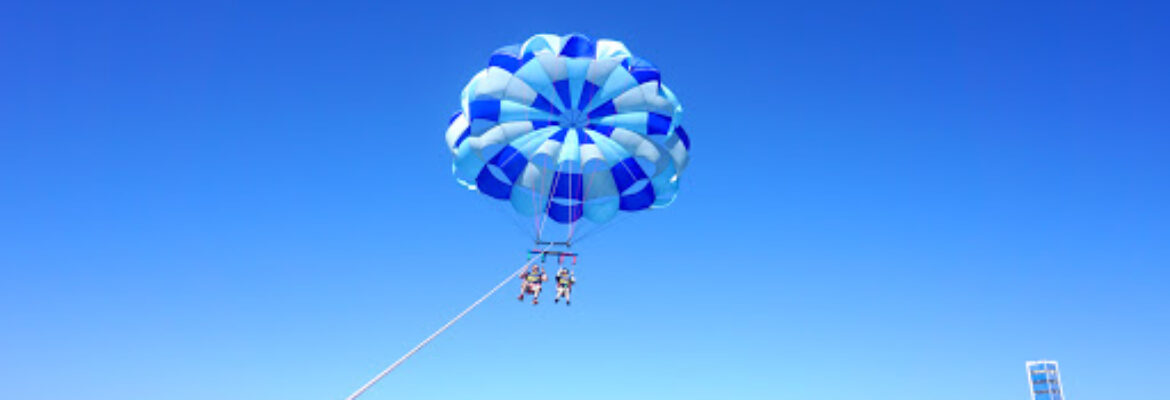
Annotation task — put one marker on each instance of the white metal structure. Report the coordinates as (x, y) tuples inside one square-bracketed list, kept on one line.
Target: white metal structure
[(1044, 380)]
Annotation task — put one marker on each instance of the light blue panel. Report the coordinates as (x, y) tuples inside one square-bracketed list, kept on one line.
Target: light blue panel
[(578, 69), (479, 126), (570, 150), (664, 189), (511, 111), (525, 202), (619, 82), (602, 210), (521, 197), (612, 151), (466, 165), (631, 121), (605, 202), (534, 75), (529, 142)]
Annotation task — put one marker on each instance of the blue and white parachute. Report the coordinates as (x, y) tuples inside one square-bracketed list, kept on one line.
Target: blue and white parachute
[(570, 127)]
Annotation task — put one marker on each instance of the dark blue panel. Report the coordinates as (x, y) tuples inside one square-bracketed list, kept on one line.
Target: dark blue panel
[(602, 129), (646, 75), (682, 135), (540, 124), (509, 62), (485, 109), (492, 186), (638, 201), (565, 214), (454, 116), (587, 93), (657, 124), (541, 103), (578, 46), (559, 136), (568, 186), (510, 161), (625, 173), (563, 91), (603, 110), (642, 70), (583, 138)]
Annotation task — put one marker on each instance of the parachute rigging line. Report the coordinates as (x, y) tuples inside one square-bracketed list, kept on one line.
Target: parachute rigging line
[(548, 204), (511, 216), (440, 331)]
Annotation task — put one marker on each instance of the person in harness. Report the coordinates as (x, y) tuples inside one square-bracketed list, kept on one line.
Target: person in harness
[(565, 281), (530, 283)]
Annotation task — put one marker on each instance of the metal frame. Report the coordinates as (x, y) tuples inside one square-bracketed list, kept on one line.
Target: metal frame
[(560, 254)]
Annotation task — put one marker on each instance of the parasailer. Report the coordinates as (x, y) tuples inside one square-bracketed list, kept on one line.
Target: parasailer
[(531, 282), (565, 281)]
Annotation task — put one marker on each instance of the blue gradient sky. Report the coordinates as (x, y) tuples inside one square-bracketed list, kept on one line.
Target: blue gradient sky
[(220, 200)]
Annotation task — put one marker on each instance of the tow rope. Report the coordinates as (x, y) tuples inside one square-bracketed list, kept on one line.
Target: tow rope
[(440, 331)]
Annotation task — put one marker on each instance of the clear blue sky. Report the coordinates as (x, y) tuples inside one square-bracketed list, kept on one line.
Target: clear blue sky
[(887, 200)]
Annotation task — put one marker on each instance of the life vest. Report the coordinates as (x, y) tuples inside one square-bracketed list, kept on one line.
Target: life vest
[(533, 278), (565, 280)]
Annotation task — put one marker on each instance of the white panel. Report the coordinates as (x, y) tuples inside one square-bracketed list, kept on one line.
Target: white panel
[(470, 89), (519, 91), (641, 149), (554, 66), (654, 101), (630, 101), (493, 83), (503, 133), (678, 152), (542, 43), (612, 49), (456, 129), (599, 70)]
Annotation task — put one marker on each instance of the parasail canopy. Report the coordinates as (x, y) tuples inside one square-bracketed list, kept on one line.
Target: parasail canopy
[(567, 127)]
